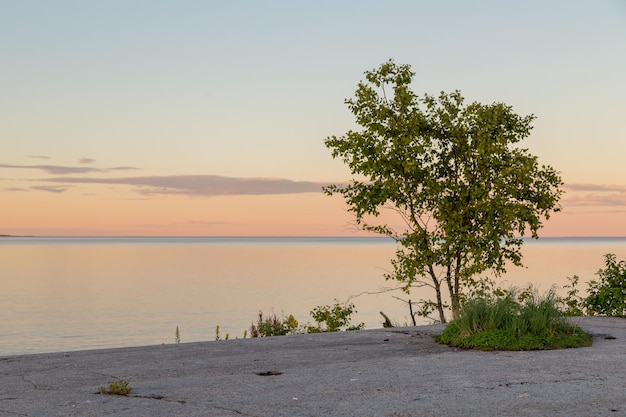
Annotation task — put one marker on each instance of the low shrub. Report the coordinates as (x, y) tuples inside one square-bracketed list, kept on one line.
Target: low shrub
[(334, 318), (608, 295)]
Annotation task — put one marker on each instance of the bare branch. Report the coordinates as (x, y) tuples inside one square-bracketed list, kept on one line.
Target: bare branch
[(381, 291)]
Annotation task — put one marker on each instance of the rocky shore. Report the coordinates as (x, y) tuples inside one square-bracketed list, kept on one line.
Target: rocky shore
[(395, 372)]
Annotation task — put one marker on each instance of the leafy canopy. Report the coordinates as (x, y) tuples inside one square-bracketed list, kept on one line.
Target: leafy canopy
[(451, 171)]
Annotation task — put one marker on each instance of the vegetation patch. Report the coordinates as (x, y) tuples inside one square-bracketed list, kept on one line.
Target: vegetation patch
[(514, 321), (453, 175), (328, 318), (608, 295), (116, 388), (334, 318), (605, 297), (272, 325)]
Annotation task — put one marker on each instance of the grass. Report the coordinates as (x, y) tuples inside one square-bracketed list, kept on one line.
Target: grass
[(515, 321), (116, 388)]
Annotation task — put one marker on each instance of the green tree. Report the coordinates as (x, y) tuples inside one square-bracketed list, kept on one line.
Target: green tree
[(465, 193)]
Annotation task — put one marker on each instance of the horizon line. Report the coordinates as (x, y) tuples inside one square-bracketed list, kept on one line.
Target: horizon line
[(276, 236)]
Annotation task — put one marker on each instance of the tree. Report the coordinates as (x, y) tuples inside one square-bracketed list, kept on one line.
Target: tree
[(466, 194)]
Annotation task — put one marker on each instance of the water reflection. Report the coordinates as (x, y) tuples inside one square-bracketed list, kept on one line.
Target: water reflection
[(81, 293)]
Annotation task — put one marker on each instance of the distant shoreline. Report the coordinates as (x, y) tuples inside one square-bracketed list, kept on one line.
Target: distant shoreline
[(375, 237)]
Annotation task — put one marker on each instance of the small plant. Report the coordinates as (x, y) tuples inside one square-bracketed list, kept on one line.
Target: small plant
[(334, 318), (218, 335), (118, 387), (608, 295), (177, 336), (572, 303), (273, 326)]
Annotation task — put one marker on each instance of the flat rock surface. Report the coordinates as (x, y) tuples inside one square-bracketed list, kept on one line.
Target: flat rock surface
[(396, 372)]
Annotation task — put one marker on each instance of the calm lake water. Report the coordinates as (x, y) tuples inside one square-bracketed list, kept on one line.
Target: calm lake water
[(63, 294)]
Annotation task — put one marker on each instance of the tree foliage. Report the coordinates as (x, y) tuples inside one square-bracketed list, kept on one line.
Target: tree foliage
[(452, 172)]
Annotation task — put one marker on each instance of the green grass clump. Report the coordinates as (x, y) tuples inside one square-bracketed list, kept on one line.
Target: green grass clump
[(515, 321)]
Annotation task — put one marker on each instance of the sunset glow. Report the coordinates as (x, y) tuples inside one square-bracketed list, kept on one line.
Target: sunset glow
[(202, 118)]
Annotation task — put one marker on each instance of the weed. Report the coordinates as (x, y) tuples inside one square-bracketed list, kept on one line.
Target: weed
[(273, 326), (118, 387), (218, 335)]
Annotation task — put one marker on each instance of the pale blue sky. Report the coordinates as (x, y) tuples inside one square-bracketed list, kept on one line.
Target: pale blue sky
[(251, 88)]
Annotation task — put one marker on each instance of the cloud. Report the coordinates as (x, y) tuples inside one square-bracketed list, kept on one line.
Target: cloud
[(16, 189), (195, 223), (120, 169), (65, 170), (86, 161), (38, 156), (50, 188), (596, 211), (586, 194), (596, 200), (595, 187), (201, 185), (189, 223), (53, 169)]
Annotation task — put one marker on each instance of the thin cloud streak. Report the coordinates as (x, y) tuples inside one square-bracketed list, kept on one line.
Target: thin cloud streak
[(86, 161), (615, 200), (189, 223), (586, 194), (202, 185), (65, 170), (595, 187), (50, 188)]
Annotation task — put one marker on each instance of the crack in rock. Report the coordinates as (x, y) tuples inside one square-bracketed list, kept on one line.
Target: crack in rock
[(235, 411), (13, 413)]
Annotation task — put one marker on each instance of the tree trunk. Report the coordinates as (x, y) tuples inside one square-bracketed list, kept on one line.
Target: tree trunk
[(442, 315), (455, 289), (437, 286), (456, 305)]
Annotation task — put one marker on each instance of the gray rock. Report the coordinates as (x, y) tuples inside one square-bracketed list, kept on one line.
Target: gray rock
[(394, 372)]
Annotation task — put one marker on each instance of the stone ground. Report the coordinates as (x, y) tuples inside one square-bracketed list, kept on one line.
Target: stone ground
[(396, 372)]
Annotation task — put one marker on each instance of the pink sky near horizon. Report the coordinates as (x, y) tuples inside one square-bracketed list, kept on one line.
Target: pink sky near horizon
[(306, 214), (153, 119)]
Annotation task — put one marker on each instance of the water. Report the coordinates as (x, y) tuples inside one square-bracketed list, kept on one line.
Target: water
[(63, 294)]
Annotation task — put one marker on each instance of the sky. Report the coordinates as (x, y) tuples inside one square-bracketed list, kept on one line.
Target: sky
[(208, 118)]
